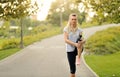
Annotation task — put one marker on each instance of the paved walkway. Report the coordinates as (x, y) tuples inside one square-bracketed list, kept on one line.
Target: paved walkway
[(46, 58)]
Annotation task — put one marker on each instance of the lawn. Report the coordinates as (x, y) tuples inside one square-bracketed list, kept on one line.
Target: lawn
[(8, 52), (105, 65)]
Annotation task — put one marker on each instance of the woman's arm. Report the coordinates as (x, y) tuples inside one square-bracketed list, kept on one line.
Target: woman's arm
[(83, 40), (68, 41)]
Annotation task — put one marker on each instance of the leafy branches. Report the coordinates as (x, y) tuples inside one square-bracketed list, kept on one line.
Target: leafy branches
[(16, 8), (104, 9)]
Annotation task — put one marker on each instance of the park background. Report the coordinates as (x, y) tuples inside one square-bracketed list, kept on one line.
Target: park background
[(23, 22)]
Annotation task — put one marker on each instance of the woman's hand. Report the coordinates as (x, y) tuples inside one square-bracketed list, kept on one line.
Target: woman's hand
[(78, 44)]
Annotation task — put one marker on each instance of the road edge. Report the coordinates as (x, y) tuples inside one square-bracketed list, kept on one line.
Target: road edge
[(82, 57)]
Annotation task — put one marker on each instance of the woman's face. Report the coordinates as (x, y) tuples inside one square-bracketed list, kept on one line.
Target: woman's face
[(73, 21)]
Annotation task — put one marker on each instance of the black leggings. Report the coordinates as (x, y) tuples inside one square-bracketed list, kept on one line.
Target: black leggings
[(72, 59)]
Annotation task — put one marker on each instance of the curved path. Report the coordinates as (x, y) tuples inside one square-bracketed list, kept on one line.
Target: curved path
[(46, 58)]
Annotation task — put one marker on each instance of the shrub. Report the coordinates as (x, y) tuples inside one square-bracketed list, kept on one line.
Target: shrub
[(10, 43), (104, 42)]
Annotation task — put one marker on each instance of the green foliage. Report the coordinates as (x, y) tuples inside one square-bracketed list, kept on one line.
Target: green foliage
[(4, 30), (105, 10), (41, 35), (104, 42), (6, 25), (105, 65), (62, 9), (81, 18), (11, 46), (1, 41), (39, 29), (3, 33), (7, 32), (88, 24), (44, 32), (10, 43), (16, 8)]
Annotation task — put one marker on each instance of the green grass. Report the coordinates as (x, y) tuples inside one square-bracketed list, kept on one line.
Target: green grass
[(8, 52), (104, 52), (105, 65)]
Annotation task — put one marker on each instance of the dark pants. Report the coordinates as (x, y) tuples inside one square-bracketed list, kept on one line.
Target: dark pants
[(72, 59)]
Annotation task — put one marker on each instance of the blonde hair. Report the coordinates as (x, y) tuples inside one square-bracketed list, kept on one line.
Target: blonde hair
[(69, 28)]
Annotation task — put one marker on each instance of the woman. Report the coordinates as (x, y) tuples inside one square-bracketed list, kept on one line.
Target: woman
[(71, 34)]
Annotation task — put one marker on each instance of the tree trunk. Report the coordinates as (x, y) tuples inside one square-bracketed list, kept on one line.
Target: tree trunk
[(21, 34)]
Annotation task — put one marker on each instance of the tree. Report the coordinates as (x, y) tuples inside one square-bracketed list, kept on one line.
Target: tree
[(17, 9), (60, 11), (104, 9)]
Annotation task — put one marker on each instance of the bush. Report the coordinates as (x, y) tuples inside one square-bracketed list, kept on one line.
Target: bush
[(10, 43), (104, 42), (41, 35), (39, 29)]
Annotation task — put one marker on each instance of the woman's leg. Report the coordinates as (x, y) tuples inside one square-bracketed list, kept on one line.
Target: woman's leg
[(71, 59), (79, 51), (72, 75)]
